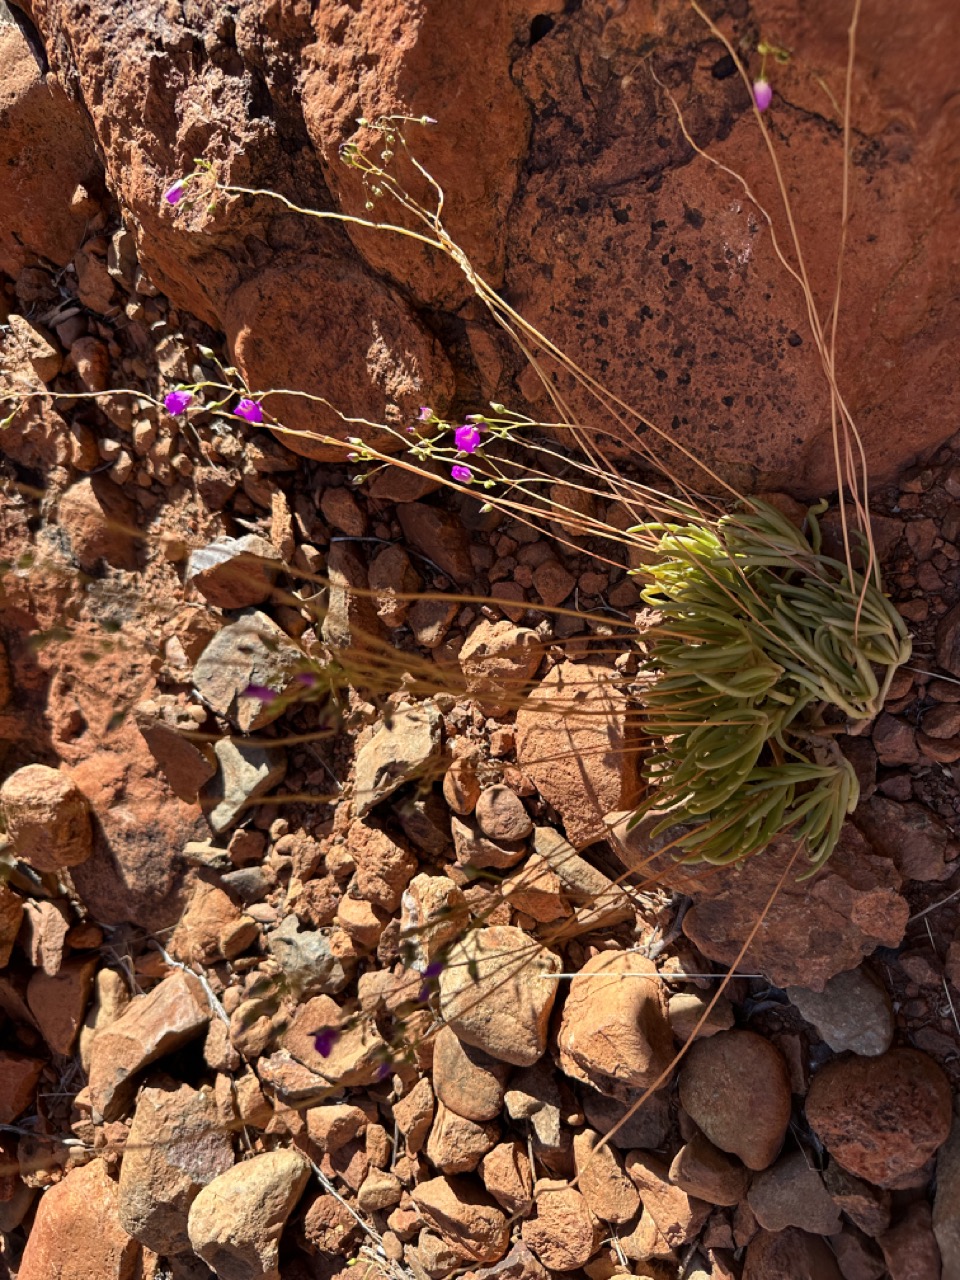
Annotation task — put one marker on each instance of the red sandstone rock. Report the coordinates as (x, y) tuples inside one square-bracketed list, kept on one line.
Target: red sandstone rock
[(615, 1031), (849, 1103), (100, 522), (789, 1255), (173, 1014), (573, 744), (563, 1232), (460, 1210), (77, 1232), (47, 816), (814, 928), (59, 1003), (47, 152), (18, 1080)]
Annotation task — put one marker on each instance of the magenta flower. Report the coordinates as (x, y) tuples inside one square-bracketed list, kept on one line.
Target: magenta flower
[(762, 94), (463, 474), (323, 1041), (425, 414), (259, 691), (174, 194), (176, 401), (249, 410), (467, 439)]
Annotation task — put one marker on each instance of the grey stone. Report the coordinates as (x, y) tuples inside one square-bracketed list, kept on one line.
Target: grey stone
[(251, 651), (851, 1013), (234, 573), (308, 964), (401, 749), (247, 772), (946, 1204)]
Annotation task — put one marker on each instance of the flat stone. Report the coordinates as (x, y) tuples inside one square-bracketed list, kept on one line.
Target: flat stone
[(351, 619), (354, 1052), (251, 652), (791, 1194), (704, 1171), (234, 573), (77, 1233), (457, 1145), (598, 902), (563, 1233), (18, 1082), (401, 749), (678, 1215), (607, 1189), (920, 844), (789, 1255), (508, 1177), (814, 928), (236, 1221), (686, 1008), (466, 1079), (175, 1146), (59, 1002), (572, 742), (247, 773), (462, 1213), (414, 1114), (494, 995), (852, 1012), (175, 1012)]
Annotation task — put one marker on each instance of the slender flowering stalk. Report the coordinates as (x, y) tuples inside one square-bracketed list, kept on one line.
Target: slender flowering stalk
[(762, 94), (249, 410), (467, 439), (463, 474), (176, 401)]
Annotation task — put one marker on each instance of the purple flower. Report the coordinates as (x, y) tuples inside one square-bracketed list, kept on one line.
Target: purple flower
[(762, 94), (433, 969), (174, 194), (467, 439), (463, 474), (308, 679), (259, 691), (425, 414), (176, 401), (249, 410), (323, 1041), (383, 1070)]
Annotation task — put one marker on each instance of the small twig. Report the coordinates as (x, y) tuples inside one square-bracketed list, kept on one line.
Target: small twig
[(215, 1004)]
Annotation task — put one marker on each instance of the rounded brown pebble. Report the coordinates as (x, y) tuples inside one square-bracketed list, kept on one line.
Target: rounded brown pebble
[(467, 1080), (501, 816), (736, 1087), (48, 818), (789, 1255), (883, 1117), (564, 1232)]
